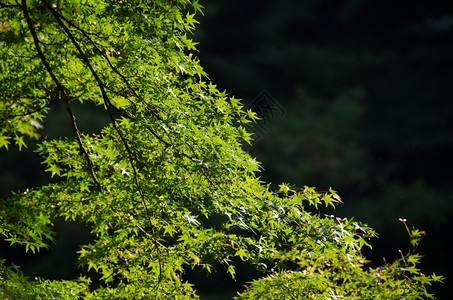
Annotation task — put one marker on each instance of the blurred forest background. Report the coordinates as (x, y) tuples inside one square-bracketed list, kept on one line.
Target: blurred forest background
[(367, 90)]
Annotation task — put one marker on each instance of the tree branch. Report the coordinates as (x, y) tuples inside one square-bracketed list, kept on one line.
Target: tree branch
[(109, 105), (25, 113), (87, 34), (60, 90)]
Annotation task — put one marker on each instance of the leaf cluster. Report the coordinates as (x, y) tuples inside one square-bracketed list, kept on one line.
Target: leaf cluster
[(166, 185)]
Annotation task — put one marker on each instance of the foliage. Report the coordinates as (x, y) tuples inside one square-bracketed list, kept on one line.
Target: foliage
[(166, 185), (366, 105), (390, 281)]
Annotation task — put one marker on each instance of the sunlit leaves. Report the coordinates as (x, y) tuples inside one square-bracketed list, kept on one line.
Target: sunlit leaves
[(4, 141), (197, 6), (166, 186), (242, 253)]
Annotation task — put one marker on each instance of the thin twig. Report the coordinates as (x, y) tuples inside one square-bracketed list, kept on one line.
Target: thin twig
[(60, 88), (107, 101), (11, 116)]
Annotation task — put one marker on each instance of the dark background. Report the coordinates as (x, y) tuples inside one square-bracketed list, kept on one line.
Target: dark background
[(367, 90), (367, 87)]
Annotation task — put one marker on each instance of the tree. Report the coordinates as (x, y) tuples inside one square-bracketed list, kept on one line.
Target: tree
[(166, 186)]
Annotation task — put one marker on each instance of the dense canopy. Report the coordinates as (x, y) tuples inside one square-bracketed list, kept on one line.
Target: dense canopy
[(166, 186)]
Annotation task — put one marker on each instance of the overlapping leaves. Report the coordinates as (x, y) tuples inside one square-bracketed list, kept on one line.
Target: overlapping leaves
[(166, 185)]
